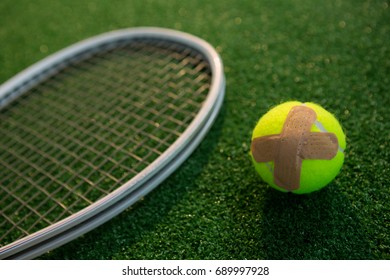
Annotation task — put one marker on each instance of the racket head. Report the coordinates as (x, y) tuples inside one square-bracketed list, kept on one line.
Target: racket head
[(195, 55)]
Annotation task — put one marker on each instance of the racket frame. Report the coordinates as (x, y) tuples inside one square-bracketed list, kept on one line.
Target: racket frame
[(112, 204)]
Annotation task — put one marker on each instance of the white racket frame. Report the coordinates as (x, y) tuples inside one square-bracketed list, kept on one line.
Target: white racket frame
[(106, 208)]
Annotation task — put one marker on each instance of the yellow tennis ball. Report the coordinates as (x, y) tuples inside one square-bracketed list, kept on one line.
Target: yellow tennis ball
[(298, 147)]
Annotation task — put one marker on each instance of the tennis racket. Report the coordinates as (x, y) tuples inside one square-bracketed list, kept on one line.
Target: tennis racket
[(90, 130)]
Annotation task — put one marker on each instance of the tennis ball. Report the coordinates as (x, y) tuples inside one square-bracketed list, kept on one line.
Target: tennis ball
[(298, 147)]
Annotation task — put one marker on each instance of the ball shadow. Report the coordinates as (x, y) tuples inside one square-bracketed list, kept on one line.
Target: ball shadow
[(322, 225)]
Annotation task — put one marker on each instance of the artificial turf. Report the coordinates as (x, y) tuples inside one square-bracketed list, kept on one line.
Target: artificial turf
[(335, 53)]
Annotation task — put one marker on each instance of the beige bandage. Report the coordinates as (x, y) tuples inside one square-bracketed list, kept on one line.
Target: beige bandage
[(295, 143)]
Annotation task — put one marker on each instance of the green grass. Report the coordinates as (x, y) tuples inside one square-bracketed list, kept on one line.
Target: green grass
[(335, 53)]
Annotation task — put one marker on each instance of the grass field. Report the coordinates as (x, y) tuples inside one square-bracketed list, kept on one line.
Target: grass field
[(335, 53)]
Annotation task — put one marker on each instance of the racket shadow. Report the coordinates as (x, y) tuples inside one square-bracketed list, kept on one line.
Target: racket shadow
[(128, 230)]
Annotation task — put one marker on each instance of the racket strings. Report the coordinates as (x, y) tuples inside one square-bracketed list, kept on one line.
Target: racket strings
[(93, 126)]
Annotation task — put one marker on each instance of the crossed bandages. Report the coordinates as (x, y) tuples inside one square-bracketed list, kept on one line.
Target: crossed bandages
[(293, 145)]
